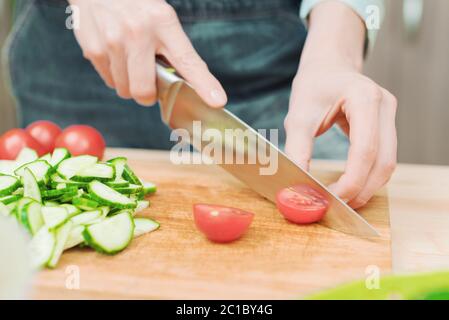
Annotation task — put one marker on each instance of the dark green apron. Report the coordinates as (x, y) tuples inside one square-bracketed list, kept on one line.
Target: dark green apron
[(252, 46)]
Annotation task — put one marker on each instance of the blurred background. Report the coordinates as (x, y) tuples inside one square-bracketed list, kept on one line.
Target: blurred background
[(411, 59)]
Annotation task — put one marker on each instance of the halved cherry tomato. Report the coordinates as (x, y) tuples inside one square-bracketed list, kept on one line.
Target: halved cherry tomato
[(14, 140), (45, 132), (221, 224), (82, 139), (301, 204)]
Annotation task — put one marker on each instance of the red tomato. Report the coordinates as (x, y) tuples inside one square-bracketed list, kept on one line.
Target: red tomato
[(301, 204), (221, 224), (14, 140), (45, 132), (82, 139)]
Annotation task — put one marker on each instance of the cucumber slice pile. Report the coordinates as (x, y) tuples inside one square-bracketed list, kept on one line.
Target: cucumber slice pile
[(65, 201)]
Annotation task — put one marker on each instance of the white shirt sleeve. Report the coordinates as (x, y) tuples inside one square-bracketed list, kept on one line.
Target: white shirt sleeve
[(371, 11)]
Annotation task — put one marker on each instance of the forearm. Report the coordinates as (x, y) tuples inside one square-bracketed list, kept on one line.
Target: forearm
[(336, 35)]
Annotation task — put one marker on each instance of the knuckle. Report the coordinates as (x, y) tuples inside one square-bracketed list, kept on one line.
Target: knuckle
[(367, 153), (353, 187), (359, 202), (296, 81), (390, 99), (163, 13), (372, 93), (123, 93), (298, 121), (190, 60), (287, 123), (95, 53), (113, 40), (135, 27), (387, 168), (141, 93)]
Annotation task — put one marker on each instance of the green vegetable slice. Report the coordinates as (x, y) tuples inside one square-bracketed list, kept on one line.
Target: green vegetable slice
[(109, 197), (112, 235)]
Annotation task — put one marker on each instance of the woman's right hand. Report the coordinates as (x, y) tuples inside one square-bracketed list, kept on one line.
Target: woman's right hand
[(122, 38)]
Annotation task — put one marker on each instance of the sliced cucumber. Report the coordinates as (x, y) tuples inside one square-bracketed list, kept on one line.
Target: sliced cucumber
[(119, 165), (85, 203), (19, 191), (8, 185), (41, 247), (20, 205), (51, 204), (117, 184), (71, 209), (71, 166), (149, 188), (26, 155), (7, 167), (104, 211), (130, 176), (56, 179), (142, 205), (120, 211), (46, 157), (31, 217), (131, 189), (101, 219), (10, 199), (97, 171), (59, 154), (30, 186), (137, 196), (75, 237), (4, 210), (54, 216), (109, 197), (144, 225), (55, 193), (59, 186), (12, 206), (62, 234), (112, 235), (86, 218), (39, 168), (68, 197)]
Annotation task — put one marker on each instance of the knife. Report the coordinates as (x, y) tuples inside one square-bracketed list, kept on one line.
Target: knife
[(182, 108)]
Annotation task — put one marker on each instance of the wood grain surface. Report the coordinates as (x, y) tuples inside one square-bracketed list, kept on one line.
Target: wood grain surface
[(274, 260)]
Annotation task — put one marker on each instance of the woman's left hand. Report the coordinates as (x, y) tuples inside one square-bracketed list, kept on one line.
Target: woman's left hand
[(329, 89), (325, 94)]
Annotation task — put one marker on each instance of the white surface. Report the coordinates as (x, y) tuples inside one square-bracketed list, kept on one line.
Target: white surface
[(15, 270)]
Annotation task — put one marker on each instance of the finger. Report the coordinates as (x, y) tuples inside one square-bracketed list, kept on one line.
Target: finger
[(178, 49), (362, 112), (387, 155), (142, 73), (114, 41), (119, 67), (299, 142), (93, 47)]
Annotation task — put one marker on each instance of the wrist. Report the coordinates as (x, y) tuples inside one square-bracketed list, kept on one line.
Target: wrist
[(336, 36)]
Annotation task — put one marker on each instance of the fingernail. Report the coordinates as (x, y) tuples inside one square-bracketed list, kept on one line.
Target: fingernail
[(218, 96)]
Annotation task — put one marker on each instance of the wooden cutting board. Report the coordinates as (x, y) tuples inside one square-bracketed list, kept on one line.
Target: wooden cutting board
[(274, 260)]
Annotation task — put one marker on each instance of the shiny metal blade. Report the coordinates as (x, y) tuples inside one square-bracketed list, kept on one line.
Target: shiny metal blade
[(182, 108)]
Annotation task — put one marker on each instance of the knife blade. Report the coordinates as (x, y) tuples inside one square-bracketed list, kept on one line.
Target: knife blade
[(182, 108)]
